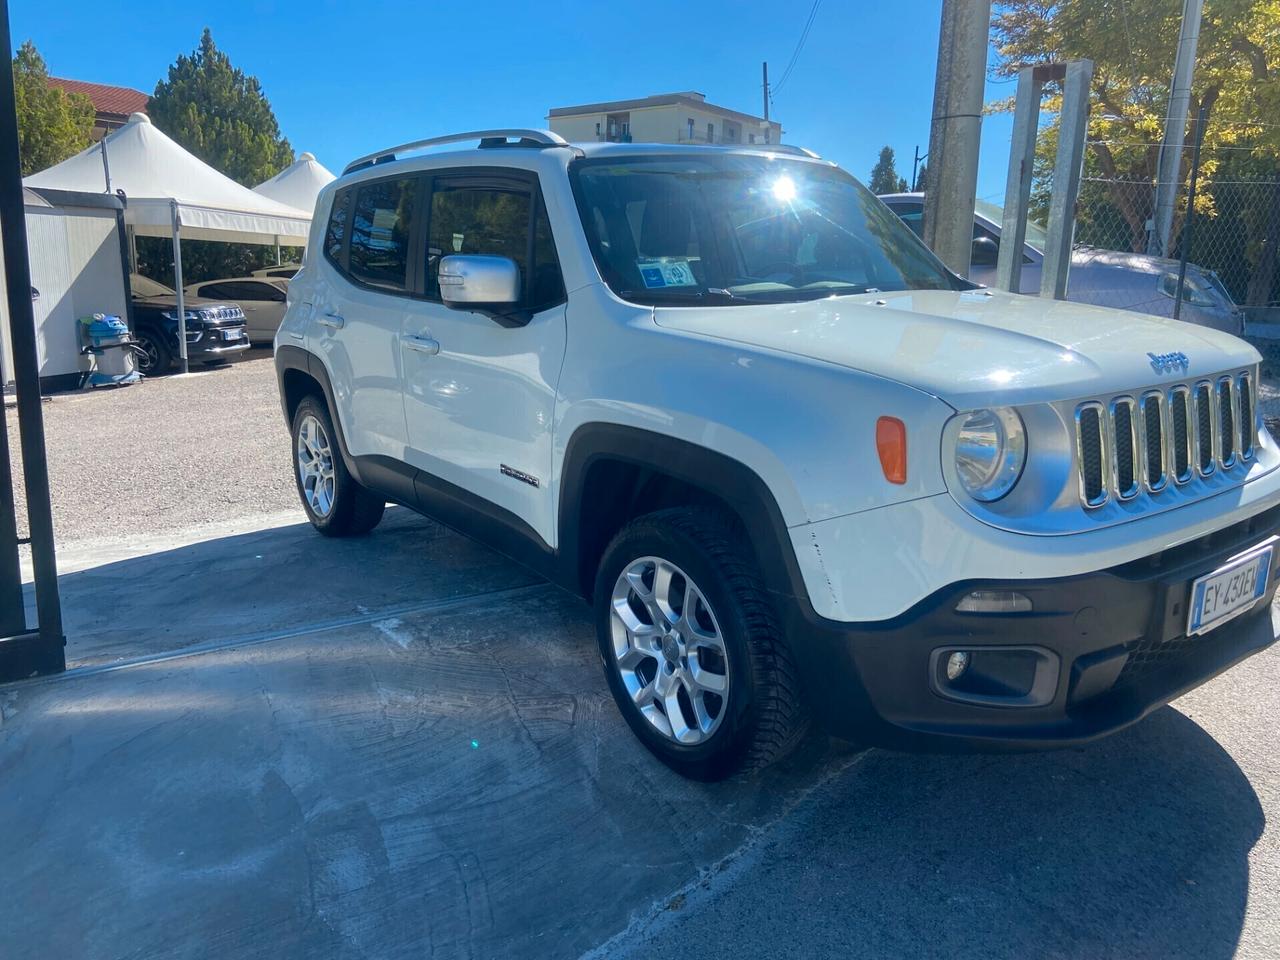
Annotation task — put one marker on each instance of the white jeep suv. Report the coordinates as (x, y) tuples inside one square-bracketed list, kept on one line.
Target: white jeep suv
[(797, 467)]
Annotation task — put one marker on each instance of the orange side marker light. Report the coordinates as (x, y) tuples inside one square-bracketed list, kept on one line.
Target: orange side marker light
[(891, 444)]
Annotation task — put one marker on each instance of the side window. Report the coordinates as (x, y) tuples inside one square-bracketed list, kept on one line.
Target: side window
[(335, 234), (912, 215), (216, 291), (471, 219), (255, 290), (381, 226)]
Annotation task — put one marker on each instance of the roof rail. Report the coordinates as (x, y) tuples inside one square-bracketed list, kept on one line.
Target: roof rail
[(487, 138), (781, 148)]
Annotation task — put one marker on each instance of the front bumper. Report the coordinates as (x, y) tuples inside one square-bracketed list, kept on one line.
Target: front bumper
[(212, 345), (1118, 635)]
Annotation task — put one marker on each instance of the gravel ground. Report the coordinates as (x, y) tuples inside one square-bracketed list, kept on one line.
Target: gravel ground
[(166, 454)]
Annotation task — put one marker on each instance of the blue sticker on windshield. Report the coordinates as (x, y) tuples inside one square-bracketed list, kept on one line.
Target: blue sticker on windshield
[(666, 273)]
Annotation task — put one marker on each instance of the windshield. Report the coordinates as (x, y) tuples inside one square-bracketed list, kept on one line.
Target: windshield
[(727, 228), (1036, 238), (146, 287)]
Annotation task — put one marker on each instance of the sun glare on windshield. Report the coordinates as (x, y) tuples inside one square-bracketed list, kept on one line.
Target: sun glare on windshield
[(784, 189)]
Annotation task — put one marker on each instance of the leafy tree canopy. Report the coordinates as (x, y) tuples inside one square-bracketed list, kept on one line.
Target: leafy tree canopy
[(219, 113), (52, 123), (884, 175), (1132, 44)]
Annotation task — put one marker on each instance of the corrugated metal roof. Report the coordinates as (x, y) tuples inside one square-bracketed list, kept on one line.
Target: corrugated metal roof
[(121, 101)]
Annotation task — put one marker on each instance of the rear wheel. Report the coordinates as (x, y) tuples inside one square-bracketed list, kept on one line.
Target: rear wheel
[(336, 504), (692, 648)]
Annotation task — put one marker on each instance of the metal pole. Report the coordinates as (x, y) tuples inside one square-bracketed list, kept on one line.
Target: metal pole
[(1073, 125), (955, 131), (106, 167), (277, 251), (177, 286), (1159, 242), (25, 654), (1017, 190), (1184, 245), (765, 70)]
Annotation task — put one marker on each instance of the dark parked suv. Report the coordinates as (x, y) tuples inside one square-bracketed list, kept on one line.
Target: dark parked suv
[(215, 329)]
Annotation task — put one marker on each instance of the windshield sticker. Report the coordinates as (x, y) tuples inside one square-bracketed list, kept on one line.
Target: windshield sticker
[(666, 273)]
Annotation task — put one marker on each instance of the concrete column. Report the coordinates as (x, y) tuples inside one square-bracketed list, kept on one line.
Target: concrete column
[(1168, 181), (955, 131), (1073, 124)]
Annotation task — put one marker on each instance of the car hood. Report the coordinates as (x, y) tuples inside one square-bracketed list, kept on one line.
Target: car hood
[(975, 348)]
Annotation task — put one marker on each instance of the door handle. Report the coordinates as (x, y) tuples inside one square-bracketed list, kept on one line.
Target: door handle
[(332, 320), (421, 344)]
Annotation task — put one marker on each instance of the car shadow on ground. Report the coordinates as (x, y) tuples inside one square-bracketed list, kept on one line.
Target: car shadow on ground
[(404, 744), (1136, 846)]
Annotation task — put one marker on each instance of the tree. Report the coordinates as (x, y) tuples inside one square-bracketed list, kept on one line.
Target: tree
[(921, 176), (1132, 44), (52, 123), (219, 114), (884, 175)]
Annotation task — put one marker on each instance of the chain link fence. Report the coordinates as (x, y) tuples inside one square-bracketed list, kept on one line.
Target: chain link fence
[(1232, 239)]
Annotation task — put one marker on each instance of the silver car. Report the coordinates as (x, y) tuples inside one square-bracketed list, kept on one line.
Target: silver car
[(1109, 278)]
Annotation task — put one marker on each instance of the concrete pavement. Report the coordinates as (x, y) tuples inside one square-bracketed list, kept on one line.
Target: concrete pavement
[(272, 744)]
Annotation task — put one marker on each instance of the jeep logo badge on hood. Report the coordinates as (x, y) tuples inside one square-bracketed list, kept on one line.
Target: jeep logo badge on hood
[(1169, 362)]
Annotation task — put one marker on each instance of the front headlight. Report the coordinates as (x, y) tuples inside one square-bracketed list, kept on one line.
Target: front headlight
[(991, 449)]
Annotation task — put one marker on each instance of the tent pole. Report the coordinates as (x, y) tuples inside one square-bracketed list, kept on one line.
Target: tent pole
[(277, 250), (177, 286)]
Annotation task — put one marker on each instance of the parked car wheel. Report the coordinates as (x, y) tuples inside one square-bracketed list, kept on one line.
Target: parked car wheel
[(692, 648), (154, 355), (336, 504)]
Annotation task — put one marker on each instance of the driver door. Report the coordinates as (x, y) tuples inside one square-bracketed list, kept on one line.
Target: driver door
[(479, 391)]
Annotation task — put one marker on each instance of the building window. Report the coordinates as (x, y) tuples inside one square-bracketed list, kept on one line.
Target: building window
[(691, 128), (752, 137), (711, 133)]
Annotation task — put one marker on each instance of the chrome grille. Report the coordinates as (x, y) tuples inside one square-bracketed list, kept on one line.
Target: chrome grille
[(1163, 438)]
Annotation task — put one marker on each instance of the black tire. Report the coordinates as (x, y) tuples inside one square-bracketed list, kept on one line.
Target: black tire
[(765, 716), (355, 510), (156, 357)]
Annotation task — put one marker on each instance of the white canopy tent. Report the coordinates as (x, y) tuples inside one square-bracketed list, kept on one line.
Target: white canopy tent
[(298, 184), (171, 193)]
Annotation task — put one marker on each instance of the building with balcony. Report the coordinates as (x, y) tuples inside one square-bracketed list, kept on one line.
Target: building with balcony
[(665, 118)]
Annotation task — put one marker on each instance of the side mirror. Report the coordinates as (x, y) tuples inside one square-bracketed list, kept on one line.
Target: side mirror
[(481, 282), (985, 252)]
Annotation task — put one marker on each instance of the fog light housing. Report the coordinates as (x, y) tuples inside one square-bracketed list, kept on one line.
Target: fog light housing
[(994, 601), (995, 676)]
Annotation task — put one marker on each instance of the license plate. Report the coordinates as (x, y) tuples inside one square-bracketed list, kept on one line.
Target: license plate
[(1229, 591), (232, 334)]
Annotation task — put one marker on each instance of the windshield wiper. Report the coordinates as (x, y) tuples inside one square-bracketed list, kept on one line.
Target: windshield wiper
[(656, 297)]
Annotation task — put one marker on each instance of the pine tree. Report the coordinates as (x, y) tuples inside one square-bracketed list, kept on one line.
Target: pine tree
[(219, 113), (52, 123), (884, 175)]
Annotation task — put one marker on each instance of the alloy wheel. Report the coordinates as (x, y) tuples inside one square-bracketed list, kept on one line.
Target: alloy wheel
[(315, 466), (669, 650)]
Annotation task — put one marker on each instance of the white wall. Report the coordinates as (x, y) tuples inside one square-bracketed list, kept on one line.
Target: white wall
[(76, 266)]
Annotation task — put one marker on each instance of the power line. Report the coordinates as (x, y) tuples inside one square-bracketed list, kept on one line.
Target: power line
[(804, 35)]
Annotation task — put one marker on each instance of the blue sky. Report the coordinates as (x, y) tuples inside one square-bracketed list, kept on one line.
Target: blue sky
[(346, 78)]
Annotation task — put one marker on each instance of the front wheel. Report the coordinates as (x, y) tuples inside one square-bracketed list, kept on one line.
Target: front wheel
[(154, 355), (692, 648), (336, 504)]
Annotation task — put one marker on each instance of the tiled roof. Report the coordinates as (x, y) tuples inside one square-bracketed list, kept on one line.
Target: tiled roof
[(107, 99)]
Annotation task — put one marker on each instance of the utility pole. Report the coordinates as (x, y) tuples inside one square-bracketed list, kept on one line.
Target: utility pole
[(1168, 171), (955, 131), (764, 67)]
